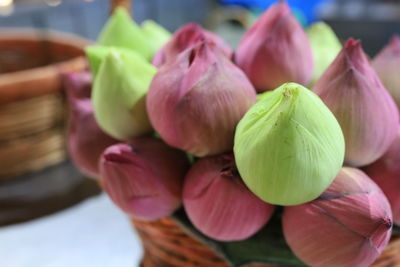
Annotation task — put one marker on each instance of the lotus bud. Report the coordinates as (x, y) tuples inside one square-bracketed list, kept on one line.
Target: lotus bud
[(348, 225), (325, 47), (365, 110), (119, 94), (187, 37), (386, 173), (275, 50), (121, 31), (86, 141), (386, 64), (77, 85), (219, 204), (195, 102), (144, 178), (289, 146), (97, 53), (156, 34)]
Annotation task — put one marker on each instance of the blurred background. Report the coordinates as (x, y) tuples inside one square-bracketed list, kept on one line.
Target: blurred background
[(50, 214), (373, 21)]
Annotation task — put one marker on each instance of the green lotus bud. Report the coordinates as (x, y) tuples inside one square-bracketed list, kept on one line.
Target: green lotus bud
[(156, 34), (288, 146), (121, 31), (119, 94), (325, 46), (97, 53), (263, 95)]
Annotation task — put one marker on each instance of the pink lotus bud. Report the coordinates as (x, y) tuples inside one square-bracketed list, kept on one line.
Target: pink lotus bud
[(387, 64), (144, 178), (86, 141), (364, 109), (78, 84), (195, 101), (219, 204), (386, 173), (187, 37), (348, 225), (275, 50)]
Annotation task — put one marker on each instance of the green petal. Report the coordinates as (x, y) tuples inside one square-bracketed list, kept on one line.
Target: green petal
[(325, 46), (155, 34), (263, 95), (289, 146), (97, 53), (121, 31), (119, 92)]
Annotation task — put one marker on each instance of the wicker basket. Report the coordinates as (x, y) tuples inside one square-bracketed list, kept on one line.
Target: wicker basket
[(166, 244), (31, 103), (32, 119)]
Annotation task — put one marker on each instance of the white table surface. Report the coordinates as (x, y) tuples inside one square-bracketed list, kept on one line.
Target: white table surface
[(93, 233)]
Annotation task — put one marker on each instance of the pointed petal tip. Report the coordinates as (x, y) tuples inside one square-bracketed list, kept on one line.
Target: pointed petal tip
[(191, 26), (115, 158), (354, 54), (187, 31), (117, 153), (202, 48), (352, 43), (281, 7), (121, 11), (113, 55), (282, 3), (395, 41)]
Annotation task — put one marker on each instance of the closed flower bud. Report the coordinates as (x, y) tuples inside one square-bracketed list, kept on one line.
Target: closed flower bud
[(86, 141), (387, 64), (119, 94), (78, 85), (325, 47), (365, 110), (187, 37), (289, 146), (348, 225), (155, 34), (219, 204), (195, 102), (144, 178), (97, 53), (386, 173), (275, 50), (121, 31)]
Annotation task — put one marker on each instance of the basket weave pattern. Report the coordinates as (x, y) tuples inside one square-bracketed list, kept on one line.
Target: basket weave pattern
[(31, 134), (32, 110), (167, 245)]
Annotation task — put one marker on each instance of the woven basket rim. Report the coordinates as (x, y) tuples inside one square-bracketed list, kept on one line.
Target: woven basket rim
[(32, 34), (38, 74), (166, 243), (37, 35)]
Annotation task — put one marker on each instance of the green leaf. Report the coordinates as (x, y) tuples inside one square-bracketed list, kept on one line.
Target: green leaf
[(268, 246)]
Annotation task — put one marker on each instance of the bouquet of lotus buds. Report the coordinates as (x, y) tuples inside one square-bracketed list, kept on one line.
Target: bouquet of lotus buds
[(235, 147)]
